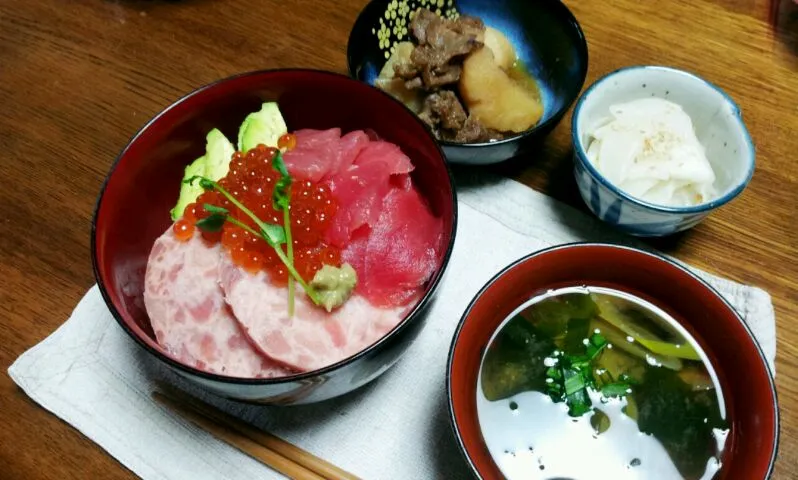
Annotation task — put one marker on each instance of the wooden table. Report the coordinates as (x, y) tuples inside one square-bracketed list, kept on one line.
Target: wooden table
[(79, 77)]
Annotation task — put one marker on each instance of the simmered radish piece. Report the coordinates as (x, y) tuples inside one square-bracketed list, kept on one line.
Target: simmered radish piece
[(494, 98)]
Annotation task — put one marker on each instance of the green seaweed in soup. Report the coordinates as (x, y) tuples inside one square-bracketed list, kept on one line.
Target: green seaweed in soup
[(603, 375)]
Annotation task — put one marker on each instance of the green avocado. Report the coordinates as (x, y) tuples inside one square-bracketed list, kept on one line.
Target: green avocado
[(214, 165), (265, 126)]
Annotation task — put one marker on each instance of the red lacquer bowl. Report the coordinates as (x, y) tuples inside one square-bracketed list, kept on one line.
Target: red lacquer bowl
[(133, 209), (741, 366)]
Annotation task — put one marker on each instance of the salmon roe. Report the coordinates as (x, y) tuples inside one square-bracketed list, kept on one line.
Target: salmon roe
[(287, 141), (251, 180), (184, 229)]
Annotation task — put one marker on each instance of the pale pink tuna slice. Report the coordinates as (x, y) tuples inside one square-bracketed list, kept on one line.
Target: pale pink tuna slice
[(321, 154), (312, 338), (189, 315), (396, 257), (388, 153), (314, 153), (351, 145)]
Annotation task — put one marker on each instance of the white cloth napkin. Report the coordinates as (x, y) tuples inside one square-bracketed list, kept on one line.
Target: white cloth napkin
[(93, 376)]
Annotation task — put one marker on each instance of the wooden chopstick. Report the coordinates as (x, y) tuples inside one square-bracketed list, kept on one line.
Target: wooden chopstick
[(275, 452)]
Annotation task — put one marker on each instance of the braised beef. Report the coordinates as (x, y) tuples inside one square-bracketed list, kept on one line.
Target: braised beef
[(472, 131), (447, 117), (440, 42), (421, 21), (443, 109)]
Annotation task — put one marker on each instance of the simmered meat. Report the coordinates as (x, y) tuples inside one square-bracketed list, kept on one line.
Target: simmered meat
[(444, 112), (474, 131), (441, 44)]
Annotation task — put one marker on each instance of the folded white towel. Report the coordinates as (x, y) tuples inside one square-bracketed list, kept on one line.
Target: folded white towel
[(93, 376)]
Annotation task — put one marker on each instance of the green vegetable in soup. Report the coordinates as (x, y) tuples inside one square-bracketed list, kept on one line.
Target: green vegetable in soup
[(577, 347), (679, 417), (565, 319), (514, 361), (614, 363), (619, 340), (570, 378), (624, 321)]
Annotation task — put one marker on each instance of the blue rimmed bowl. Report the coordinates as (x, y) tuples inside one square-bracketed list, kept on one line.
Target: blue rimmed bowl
[(718, 125)]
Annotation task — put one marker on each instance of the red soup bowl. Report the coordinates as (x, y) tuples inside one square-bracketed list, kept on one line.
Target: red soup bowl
[(743, 372), (143, 184)]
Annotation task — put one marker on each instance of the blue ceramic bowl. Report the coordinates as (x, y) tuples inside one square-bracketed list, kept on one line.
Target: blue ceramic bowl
[(544, 33), (718, 125)]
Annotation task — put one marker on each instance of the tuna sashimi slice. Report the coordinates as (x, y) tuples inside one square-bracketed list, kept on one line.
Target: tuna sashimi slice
[(361, 188), (189, 315), (359, 192), (321, 154), (401, 251), (312, 338), (389, 154), (314, 153)]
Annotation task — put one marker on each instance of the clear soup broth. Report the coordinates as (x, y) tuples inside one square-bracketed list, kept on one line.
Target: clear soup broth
[(588, 382)]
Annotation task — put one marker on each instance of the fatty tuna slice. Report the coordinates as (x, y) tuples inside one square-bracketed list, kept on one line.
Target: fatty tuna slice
[(189, 316), (321, 154), (312, 338)]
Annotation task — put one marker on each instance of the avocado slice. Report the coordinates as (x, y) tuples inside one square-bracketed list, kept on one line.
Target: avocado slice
[(214, 165), (218, 154), (265, 126)]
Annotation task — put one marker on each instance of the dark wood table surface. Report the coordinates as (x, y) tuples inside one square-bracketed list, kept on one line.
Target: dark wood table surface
[(79, 77)]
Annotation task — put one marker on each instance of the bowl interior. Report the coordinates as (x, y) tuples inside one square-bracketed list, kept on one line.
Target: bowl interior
[(742, 370), (716, 118), (133, 209), (545, 35)]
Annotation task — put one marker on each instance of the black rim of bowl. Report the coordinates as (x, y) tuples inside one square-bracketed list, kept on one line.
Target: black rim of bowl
[(549, 122), (656, 256), (421, 305)]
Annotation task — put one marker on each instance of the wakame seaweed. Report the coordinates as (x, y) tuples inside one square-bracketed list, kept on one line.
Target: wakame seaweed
[(565, 319), (514, 361), (669, 409)]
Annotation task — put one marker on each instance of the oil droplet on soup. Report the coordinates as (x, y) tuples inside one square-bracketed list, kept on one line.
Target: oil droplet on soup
[(603, 385)]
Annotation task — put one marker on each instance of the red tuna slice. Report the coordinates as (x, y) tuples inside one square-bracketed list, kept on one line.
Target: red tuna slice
[(312, 338), (189, 315), (399, 254), (359, 191), (361, 188)]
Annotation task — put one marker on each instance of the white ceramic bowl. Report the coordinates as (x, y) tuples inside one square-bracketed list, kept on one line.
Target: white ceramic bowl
[(718, 125)]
